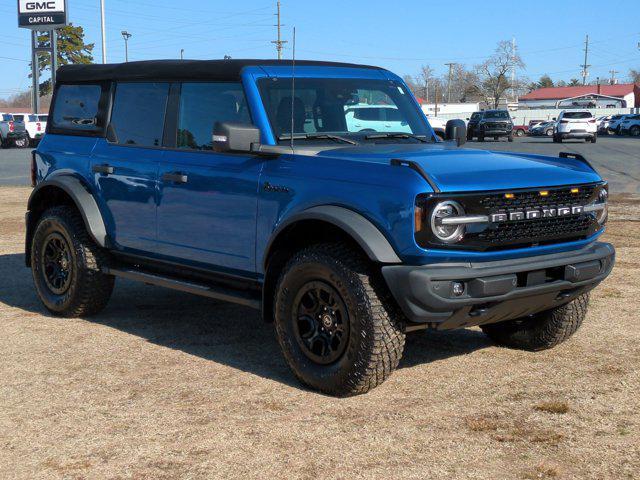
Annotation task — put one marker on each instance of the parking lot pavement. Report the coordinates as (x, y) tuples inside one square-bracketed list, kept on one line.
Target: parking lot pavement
[(617, 159), (14, 166)]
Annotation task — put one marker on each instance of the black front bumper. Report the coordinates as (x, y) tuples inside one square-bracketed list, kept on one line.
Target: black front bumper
[(495, 291)]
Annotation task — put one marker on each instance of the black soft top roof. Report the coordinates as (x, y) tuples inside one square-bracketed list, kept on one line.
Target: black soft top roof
[(177, 69)]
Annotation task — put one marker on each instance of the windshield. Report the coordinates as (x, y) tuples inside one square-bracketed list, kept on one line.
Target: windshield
[(350, 108), (499, 115)]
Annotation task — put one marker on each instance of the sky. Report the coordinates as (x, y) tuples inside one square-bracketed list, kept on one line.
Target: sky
[(400, 35)]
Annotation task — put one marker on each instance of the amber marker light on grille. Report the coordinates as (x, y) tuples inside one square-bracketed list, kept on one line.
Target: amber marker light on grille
[(544, 193), (509, 196), (575, 190), (417, 217)]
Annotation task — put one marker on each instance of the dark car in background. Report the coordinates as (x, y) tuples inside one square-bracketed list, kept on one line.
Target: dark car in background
[(490, 123), (543, 129)]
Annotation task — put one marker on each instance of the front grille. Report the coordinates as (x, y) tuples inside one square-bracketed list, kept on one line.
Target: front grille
[(560, 197), (495, 125), (539, 230), (519, 233)]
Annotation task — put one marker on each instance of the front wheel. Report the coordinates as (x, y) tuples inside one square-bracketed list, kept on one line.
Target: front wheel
[(337, 325), (67, 265), (594, 139), (540, 331), (510, 138)]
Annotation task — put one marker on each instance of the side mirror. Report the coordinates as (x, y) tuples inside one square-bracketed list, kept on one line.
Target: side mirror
[(554, 119), (456, 130), (235, 137)]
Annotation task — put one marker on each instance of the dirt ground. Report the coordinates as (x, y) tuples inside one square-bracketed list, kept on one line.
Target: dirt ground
[(166, 385)]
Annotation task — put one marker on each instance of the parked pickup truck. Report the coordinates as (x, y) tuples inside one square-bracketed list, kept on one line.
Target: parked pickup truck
[(12, 132), (228, 179), (34, 124)]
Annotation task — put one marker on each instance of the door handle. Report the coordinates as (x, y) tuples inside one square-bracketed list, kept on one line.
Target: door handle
[(175, 177), (104, 169)]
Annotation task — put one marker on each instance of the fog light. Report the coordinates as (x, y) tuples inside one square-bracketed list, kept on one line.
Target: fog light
[(457, 288)]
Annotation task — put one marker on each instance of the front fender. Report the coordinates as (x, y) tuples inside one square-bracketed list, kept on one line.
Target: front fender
[(365, 233)]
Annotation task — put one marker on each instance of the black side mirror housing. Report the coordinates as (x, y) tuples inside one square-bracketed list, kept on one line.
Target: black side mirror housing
[(235, 137), (456, 130)]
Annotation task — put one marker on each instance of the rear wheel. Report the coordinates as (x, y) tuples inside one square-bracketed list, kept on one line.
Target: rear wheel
[(337, 325), (634, 131), (21, 142), (543, 330), (67, 265), (519, 133)]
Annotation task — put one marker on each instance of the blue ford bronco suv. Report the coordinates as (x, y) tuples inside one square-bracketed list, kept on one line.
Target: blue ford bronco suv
[(242, 180)]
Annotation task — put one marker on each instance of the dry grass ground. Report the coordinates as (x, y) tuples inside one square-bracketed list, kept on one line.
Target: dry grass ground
[(165, 385)]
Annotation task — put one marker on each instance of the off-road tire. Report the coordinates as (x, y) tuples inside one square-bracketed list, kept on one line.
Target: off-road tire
[(540, 331), (89, 289), (376, 337)]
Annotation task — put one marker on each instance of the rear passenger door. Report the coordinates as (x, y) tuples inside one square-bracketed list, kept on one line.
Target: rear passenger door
[(125, 165), (208, 200)]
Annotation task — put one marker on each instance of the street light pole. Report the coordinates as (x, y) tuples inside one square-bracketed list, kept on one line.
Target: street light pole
[(104, 35), (126, 35)]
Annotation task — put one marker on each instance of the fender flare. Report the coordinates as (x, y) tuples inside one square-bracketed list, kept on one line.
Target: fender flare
[(84, 201), (365, 233)]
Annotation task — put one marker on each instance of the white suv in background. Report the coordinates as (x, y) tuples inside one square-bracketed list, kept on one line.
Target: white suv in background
[(630, 125), (575, 124)]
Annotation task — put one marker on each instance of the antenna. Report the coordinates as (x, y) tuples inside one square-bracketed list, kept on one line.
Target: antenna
[(293, 83)]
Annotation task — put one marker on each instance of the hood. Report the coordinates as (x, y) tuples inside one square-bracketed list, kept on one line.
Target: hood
[(454, 169)]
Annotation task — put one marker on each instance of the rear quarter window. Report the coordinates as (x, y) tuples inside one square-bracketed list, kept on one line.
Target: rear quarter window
[(77, 109)]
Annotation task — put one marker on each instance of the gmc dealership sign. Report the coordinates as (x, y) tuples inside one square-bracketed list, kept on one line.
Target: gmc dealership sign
[(42, 14)]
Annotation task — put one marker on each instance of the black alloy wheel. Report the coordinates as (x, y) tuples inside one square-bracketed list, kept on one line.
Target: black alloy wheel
[(56, 263), (321, 325)]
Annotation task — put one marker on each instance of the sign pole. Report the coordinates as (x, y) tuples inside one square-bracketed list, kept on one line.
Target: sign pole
[(35, 72)]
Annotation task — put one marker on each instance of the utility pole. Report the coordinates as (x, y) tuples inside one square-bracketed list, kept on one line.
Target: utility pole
[(182, 54), (36, 72), (613, 76), (279, 42), (104, 35), (585, 66), (126, 35), (513, 69), (450, 65)]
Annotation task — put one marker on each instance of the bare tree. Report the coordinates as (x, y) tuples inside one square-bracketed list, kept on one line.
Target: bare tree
[(493, 74), (634, 76)]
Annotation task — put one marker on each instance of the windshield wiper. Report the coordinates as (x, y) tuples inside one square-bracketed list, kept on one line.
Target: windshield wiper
[(317, 136), (373, 136)]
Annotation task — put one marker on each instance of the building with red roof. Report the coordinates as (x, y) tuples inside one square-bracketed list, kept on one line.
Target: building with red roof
[(623, 95)]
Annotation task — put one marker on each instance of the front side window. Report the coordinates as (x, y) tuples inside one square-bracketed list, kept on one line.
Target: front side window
[(202, 105), (138, 114), (348, 107), (76, 108)]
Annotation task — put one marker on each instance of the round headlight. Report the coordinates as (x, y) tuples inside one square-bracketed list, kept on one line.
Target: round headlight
[(604, 212), (448, 233)]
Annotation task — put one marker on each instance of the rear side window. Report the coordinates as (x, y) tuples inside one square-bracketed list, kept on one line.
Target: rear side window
[(138, 114), (204, 104), (43, 118), (577, 115), (33, 118), (368, 114), (76, 108)]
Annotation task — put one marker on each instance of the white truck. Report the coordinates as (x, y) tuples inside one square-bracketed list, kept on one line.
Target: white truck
[(35, 125)]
